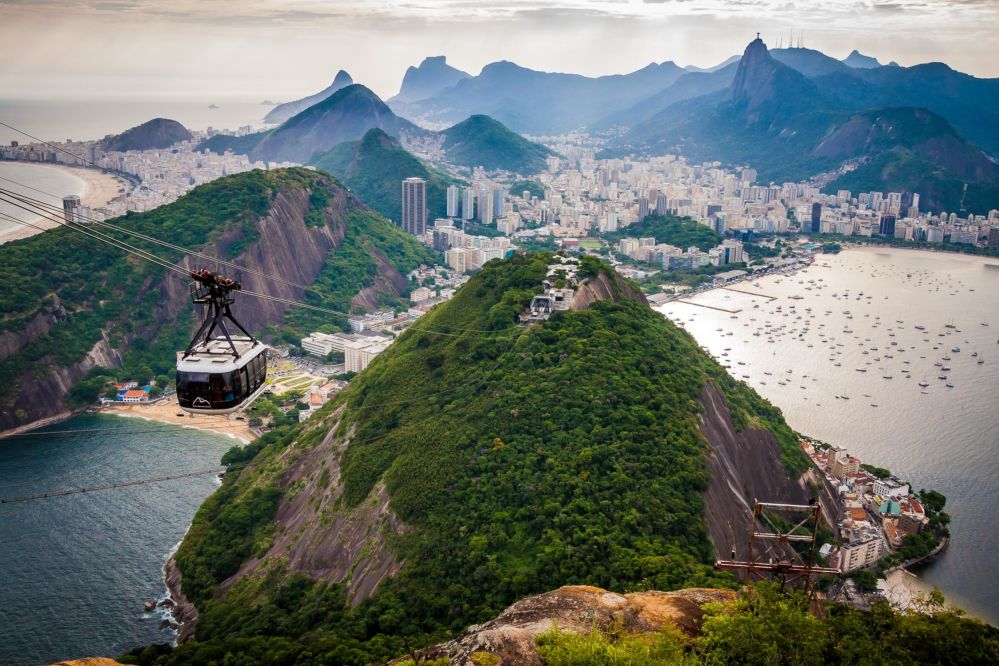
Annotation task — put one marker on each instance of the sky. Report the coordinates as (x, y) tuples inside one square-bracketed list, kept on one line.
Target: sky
[(284, 49)]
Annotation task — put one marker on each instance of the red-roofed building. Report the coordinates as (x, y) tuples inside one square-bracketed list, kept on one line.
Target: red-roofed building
[(135, 395)]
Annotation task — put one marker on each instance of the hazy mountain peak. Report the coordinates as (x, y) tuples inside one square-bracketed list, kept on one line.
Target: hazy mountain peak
[(283, 112), (858, 60), (755, 73), (341, 80), (432, 76)]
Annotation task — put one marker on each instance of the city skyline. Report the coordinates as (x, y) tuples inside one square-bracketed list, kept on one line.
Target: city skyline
[(280, 49)]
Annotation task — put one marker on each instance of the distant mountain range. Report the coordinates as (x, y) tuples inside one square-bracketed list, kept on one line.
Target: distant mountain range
[(432, 76), (283, 112), (318, 136), (534, 102), (150, 135), (343, 116), (793, 113), (373, 169)]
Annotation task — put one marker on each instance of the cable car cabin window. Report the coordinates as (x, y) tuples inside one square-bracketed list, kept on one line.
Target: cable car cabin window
[(215, 390)]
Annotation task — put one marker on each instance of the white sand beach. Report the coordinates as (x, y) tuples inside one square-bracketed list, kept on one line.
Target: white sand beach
[(98, 189)]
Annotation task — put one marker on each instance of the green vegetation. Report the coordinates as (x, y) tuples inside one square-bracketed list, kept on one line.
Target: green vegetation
[(831, 248), (374, 167), (690, 277), (766, 626), (558, 648), (349, 269), (535, 188), (902, 169), (481, 141), (683, 232), (521, 458)]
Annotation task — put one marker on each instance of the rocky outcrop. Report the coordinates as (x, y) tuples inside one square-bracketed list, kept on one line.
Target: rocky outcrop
[(575, 609), (42, 391), (745, 466), (387, 280), (184, 612), (88, 661), (605, 287), (41, 323)]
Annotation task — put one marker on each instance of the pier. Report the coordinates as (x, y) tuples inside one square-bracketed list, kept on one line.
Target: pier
[(751, 293), (710, 307)]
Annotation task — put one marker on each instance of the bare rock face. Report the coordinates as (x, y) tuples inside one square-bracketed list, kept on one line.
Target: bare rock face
[(745, 466), (603, 287), (575, 609), (88, 661), (315, 535)]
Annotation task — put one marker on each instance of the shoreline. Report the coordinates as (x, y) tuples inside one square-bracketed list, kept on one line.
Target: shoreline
[(168, 411), (99, 189)]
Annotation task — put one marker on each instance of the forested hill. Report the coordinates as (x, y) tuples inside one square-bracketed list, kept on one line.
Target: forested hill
[(481, 141), (683, 232), (472, 463), (77, 312), (373, 168)]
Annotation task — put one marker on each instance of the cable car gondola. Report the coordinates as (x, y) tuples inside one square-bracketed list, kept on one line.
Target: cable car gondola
[(219, 373)]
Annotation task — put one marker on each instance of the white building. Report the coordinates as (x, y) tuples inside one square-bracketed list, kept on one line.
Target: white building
[(861, 554), (359, 353)]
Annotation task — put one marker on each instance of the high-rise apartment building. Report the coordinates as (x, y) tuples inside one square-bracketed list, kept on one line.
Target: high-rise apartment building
[(414, 206), (499, 196), (453, 200), (468, 204), (643, 208), (816, 217), (485, 200)]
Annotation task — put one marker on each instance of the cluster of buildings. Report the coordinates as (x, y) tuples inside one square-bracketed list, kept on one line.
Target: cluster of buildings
[(671, 257), (318, 396), (464, 252), (129, 393), (358, 349), (560, 283), (155, 177), (585, 196), (877, 513)]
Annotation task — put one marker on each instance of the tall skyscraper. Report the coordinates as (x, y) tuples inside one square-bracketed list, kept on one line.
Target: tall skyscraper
[(643, 208), (887, 226), (414, 206), (485, 200), (499, 196), (453, 200), (816, 217), (662, 204), (468, 204)]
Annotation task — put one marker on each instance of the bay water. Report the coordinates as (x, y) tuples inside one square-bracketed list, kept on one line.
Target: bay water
[(77, 569), (842, 348)]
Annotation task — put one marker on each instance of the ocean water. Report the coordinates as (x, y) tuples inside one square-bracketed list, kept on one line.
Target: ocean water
[(860, 309), (26, 177), (77, 569), (81, 120)]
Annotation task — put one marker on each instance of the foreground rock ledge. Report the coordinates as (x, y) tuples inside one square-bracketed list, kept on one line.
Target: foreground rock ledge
[(576, 609)]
